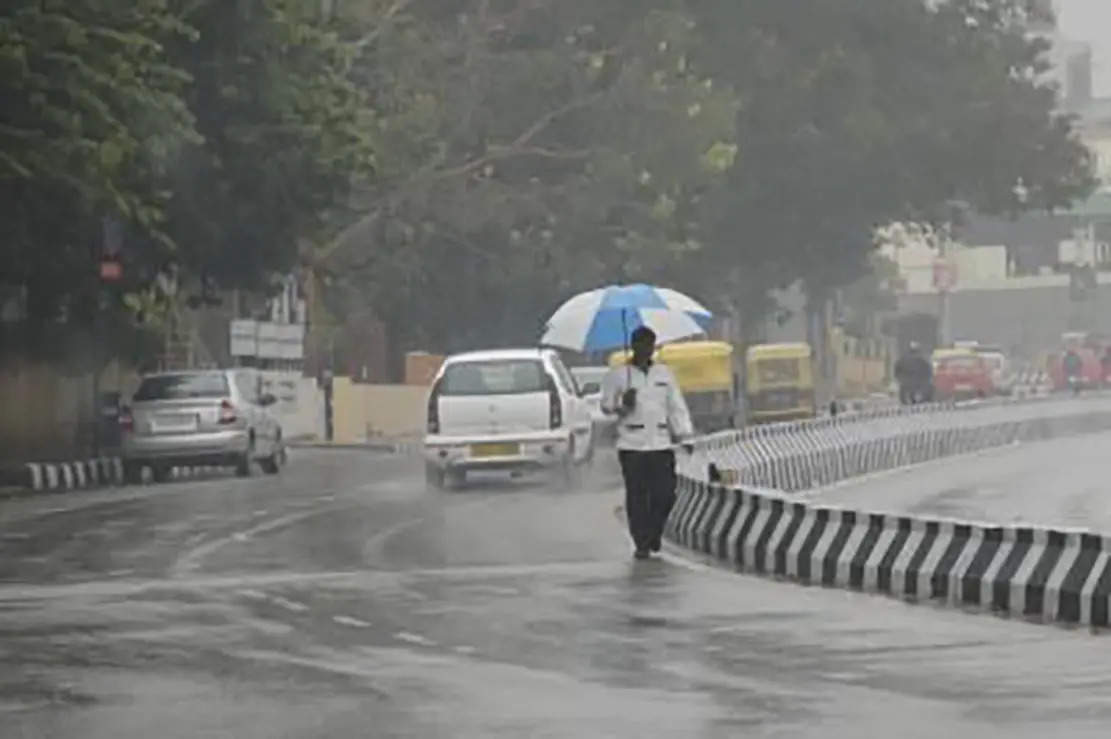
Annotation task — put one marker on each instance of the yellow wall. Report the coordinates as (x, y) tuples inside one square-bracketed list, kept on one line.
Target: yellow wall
[(361, 411), (48, 415)]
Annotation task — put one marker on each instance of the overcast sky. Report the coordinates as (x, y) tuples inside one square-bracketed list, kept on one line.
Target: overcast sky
[(1090, 20)]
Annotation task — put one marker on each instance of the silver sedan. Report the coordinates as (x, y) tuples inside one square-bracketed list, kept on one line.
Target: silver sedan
[(200, 417)]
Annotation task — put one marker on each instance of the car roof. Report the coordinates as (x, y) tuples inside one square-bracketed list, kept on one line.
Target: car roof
[(496, 354)]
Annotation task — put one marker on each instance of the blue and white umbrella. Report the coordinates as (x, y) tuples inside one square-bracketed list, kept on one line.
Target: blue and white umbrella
[(603, 319)]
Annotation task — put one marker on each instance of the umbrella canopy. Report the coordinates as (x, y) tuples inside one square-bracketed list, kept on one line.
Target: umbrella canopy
[(603, 319)]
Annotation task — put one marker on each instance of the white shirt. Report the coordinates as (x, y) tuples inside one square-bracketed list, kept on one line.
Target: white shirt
[(660, 417)]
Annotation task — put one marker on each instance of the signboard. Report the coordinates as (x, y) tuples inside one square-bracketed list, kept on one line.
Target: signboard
[(244, 338), (281, 341), (266, 340)]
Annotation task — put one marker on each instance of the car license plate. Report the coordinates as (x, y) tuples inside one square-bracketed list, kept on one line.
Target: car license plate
[(175, 422), (495, 450)]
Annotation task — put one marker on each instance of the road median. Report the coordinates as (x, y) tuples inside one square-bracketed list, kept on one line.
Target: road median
[(735, 505)]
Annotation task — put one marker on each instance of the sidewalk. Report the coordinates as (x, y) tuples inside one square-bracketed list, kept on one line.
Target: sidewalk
[(387, 446)]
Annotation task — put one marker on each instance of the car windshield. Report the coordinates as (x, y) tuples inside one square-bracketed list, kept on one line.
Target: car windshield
[(499, 377), (960, 364), (778, 370), (173, 387)]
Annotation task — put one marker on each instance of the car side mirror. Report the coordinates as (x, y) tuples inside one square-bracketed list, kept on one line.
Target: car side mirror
[(267, 399), (589, 388)]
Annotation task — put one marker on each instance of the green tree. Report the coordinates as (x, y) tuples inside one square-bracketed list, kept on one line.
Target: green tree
[(286, 135), (860, 112), (529, 150), (91, 121)]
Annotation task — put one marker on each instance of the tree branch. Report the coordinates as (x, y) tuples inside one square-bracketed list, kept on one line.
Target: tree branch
[(393, 11), (494, 153)]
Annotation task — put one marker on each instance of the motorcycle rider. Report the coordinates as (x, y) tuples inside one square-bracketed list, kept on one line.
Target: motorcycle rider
[(914, 375)]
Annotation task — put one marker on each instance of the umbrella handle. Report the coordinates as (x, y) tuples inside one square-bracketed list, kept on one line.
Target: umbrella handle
[(628, 359)]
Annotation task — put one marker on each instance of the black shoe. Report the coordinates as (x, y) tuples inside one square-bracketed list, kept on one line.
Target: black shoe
[(641, 554), (657, 545)]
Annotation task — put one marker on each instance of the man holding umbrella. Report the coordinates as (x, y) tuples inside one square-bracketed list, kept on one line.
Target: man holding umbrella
[(652, 416)]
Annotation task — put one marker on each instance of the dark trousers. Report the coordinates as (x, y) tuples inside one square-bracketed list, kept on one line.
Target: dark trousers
[(649, 493)]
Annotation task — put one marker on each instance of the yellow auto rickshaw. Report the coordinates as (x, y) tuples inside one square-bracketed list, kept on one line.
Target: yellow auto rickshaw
[(779, 382), (704, 371)]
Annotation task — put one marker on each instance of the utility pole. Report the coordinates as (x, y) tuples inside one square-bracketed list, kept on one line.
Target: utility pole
[(110, 271)]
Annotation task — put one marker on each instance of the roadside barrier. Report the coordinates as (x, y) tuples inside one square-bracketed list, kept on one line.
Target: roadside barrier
[(89, 474), (734, 505), (73, 475), (1041, 574)]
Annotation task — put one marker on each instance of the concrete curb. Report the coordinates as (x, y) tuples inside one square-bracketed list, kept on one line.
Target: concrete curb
[(409, 449), (90, 474), (72, 475), (1049, 575)]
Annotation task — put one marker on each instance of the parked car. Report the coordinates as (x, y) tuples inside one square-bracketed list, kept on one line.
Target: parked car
[(589, 380), (200, 417), (514, 410)]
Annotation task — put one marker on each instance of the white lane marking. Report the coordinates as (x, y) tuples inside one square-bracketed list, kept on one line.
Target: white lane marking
[(16, 536), (465, 650), (120, 573), (289, 605), (356, 578), (411, 638), (351, 621), (253, 594), (192, 559), (375, 545), (326, 498), (260, 512)]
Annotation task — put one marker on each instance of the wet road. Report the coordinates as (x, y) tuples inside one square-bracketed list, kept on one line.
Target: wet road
[(1064, 482), (342, 600)]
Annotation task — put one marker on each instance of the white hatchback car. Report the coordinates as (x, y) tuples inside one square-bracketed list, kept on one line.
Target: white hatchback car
[(512, 410)]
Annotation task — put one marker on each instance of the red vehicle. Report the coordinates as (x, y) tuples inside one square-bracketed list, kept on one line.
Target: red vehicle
[(1091, 351), (961, 375)]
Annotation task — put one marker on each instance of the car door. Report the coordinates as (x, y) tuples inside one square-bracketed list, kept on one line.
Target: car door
[(247, 384), (578, 408)]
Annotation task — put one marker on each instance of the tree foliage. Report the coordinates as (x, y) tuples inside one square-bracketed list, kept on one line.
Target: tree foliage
[(874, 111), (458, 167), (218, 133), (529, 149)]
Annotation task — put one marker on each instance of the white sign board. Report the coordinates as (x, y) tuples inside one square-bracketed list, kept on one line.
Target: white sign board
[(244, 338), (267, 340), (281, 341)]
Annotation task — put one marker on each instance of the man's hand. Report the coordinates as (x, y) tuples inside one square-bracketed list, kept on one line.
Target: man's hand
[(688, 447), (629, 399)]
